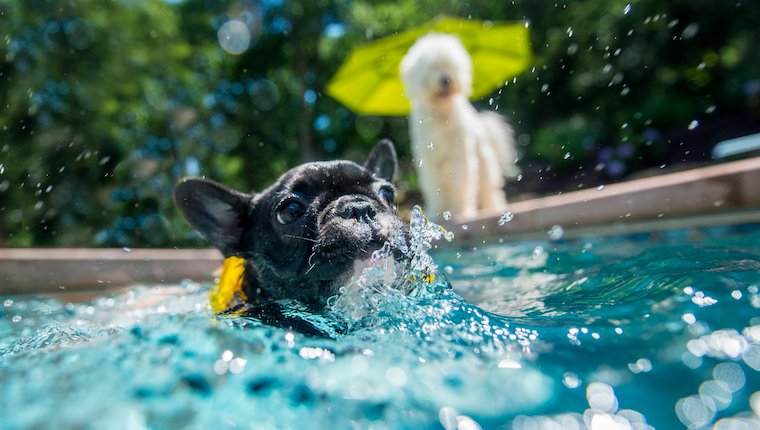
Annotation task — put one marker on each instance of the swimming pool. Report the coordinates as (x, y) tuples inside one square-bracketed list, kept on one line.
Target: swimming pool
[(658, 329)]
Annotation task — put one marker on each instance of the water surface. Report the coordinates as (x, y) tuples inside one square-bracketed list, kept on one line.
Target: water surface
[(657, 330)]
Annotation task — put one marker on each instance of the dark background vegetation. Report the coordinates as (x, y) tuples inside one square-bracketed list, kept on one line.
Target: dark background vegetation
[(105, 104)]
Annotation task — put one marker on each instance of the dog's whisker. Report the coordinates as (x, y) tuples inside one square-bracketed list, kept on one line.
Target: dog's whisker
[(311, 265), (310, 268), (301, 237)]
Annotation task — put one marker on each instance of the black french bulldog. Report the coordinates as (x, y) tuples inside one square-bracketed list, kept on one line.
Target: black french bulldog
[(301, 236)]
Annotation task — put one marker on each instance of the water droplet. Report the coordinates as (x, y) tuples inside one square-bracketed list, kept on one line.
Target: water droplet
[(16, 318), (430, 145), (627, 9), (567, 155), (544, 88), (8, 303), (490, 101), (538, 251), (465, 226), (569, 31), (234, 37), (694, 124), (125, 249), (571, 380), (447, 215), (556, 232), (448, 270), (710, 109), (624, 126), (505, 218), (600, 187), (2, 169), (419, 164)]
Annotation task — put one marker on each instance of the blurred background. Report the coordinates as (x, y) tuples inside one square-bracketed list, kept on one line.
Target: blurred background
[(104, 105)]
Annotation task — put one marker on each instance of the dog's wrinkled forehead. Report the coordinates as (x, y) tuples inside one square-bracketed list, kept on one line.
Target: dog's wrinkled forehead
[(336, 177)]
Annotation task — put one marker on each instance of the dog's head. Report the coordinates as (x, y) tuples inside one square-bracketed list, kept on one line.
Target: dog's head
[(301, 236), (436, 68)]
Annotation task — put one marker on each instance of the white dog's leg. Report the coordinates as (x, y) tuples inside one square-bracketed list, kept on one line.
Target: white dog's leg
[(491, 182), (429, 184), (462, 178)]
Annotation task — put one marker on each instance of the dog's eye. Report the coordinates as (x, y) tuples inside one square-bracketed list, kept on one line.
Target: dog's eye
[(387, 194), (290, 211)]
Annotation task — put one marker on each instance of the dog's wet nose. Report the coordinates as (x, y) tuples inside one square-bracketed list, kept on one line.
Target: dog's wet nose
[(358, 211), (445, 81)]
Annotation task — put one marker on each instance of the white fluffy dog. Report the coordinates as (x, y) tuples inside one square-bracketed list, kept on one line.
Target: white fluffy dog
[(461, 155)]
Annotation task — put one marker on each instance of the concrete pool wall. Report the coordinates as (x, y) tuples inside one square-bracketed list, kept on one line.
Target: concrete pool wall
[(722, 194)]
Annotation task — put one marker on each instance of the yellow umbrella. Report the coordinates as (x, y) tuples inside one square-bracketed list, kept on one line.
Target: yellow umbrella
[(369, 83)]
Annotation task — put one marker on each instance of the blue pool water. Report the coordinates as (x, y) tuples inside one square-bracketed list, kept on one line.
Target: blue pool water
[(659, 330)]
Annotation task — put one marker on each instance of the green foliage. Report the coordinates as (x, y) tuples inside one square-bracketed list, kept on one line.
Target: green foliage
[(104, 105), (89, 87), (565, 142)]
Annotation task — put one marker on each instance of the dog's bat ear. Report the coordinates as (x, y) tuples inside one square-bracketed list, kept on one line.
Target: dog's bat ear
[(382, 160), (219, 213)]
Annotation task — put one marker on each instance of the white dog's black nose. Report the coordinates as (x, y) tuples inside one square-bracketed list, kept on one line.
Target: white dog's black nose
[(445, 81)]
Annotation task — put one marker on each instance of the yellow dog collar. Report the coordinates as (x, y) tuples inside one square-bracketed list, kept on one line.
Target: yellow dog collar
[(227, 291)]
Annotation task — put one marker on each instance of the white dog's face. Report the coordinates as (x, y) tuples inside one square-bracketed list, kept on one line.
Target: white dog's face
[(435, 70)]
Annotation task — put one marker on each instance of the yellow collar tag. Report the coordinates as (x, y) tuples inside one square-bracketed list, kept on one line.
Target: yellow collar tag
[(228, 289)]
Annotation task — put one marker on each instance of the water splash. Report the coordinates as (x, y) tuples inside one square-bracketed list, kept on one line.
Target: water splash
[(556, 232), (400, 268), (505, 218)]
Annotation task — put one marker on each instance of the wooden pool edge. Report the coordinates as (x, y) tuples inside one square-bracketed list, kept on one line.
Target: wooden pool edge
[(727, 193), (722, 194), (71, 270)]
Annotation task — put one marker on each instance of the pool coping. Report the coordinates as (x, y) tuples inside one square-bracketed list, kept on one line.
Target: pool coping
[(722, 194), (685, 198), (70, 270)]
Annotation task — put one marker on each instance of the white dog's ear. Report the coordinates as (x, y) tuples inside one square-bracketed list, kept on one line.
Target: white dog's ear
[(412, 78), (382, 160)]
